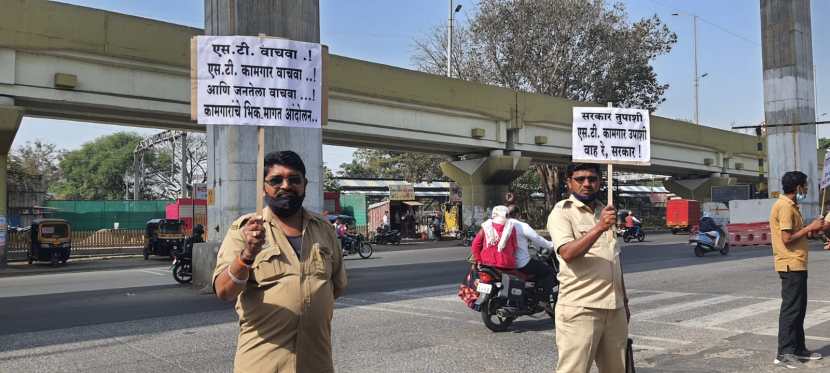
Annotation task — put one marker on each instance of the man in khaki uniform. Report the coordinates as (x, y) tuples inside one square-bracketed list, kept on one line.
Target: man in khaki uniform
[(789, 249), (284, 269), (592, 311)]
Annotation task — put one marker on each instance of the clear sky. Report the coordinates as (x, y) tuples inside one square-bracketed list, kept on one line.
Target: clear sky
[(729, 50)]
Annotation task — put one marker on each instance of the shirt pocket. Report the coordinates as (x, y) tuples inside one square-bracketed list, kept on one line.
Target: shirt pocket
[(268, 267), (321, 257)]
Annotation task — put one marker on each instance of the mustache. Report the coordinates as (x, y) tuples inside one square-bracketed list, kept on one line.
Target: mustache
[(286, 193)]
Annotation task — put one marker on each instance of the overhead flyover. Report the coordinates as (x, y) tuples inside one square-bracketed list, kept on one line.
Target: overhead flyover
[(72, 62)]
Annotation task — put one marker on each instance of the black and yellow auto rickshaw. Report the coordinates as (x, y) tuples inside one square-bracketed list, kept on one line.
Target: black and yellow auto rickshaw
[(162, 237), (51, 241)]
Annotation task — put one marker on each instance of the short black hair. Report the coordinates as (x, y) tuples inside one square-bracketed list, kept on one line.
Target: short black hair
[(792, 180), (285, 158), (573, 167)]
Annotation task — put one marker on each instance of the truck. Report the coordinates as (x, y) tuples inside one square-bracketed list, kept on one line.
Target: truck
[(682, 214)]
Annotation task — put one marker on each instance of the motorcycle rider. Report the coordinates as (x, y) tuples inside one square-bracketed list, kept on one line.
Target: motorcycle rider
[(632, 224), (709, 227), (495, 245), (541, 273)]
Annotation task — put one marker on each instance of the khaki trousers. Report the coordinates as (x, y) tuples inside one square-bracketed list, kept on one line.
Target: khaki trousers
[(585, 335)]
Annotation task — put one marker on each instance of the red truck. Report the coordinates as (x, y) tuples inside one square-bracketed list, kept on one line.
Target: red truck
[(682, 214)]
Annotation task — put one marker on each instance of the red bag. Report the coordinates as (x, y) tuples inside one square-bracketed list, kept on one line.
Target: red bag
[(467, 290)]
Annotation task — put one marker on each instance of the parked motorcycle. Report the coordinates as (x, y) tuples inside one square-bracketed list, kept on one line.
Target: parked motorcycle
[(503, 296), (356, 243), (387, 237), (183, 259)]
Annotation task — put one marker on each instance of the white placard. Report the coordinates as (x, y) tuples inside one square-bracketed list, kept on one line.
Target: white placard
[(259, 81), (611, 135), (825, 175)]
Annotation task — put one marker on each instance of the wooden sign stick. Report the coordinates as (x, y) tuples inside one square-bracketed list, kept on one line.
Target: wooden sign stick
[(823, 198), (610, 176), (260, 166)]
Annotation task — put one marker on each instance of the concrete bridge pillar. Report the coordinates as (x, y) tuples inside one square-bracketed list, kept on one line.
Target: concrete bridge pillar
[(10, 116), (484, 181)]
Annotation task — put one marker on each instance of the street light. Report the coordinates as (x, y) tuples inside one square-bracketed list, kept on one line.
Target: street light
[(449, 37), (697, 77)]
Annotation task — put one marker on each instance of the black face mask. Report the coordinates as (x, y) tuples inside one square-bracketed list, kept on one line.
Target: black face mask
[(285, 204), (585, 199)]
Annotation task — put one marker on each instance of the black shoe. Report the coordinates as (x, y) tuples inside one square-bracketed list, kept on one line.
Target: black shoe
[(788, 361), (808, 355)]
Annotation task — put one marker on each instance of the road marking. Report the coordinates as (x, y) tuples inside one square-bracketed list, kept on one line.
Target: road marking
[(813, 318), (732, 314), (426, 289), (677, 307), (655, 297), (669, 340), (378, 307), (152, 272), (404, 306)]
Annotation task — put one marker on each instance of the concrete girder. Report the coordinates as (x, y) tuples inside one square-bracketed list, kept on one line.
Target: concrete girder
[(698, 189), (484, 181)]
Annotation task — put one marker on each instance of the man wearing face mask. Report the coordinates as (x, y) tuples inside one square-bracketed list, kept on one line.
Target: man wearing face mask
[(789, 249), (284, 269), (592, 311)]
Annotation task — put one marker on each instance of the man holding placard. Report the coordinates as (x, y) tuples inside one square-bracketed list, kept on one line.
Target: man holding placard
[(592, 313), (284, 269)]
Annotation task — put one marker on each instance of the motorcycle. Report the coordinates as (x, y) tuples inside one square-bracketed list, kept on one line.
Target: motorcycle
[(384, 237), (503, 296), (707, 242), (469, 234), (182, 266), (636, 232), (357, 244)]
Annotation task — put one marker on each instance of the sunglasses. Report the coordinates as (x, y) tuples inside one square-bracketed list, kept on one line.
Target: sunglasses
[(277, 180), (592, 179)]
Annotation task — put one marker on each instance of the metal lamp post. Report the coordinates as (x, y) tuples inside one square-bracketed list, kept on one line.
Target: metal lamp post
[(697, 76), (449, 37)]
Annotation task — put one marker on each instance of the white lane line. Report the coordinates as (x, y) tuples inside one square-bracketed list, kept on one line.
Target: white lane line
[(403, 306), (813, 318), (377, 307), (678, 307), (152, 272), (655, 297), (723, 317), (427, 289), (658, 339)]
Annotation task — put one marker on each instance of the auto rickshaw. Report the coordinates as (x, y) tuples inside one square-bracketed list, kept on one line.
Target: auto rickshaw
[(162, 237), (51, 241)]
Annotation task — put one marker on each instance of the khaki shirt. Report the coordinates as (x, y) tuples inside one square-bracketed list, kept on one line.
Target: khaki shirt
[(785, 215), (286, 307), (594, 280)]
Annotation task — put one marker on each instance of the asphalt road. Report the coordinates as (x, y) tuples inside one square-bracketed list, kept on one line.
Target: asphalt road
[(400, 314)]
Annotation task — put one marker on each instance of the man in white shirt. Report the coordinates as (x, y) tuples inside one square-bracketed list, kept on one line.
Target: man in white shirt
[(541, 273)]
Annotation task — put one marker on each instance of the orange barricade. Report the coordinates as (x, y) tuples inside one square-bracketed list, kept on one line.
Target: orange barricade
[(749, 234)]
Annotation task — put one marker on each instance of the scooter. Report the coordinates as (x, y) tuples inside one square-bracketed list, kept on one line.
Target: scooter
[(707, 242)]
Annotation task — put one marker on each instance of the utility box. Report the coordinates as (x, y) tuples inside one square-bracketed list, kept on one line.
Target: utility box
[(681, 214)]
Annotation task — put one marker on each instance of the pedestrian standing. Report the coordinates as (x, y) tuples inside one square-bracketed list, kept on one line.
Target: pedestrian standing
[(592, 311), (789, 249), (284, 269)]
